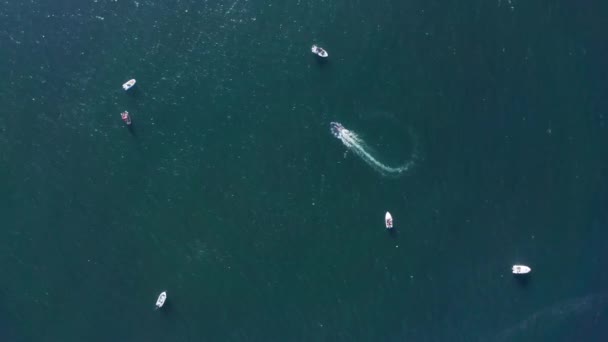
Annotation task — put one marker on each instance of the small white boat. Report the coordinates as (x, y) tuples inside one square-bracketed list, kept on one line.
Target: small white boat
[(129, 84), (388, 220), (319, 51), (161, 299), (521, 269)]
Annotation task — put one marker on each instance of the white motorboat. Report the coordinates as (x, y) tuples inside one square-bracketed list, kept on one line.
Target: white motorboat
[(319, 51), (388, 220), (129, 84), (161, 299), (521, 269)]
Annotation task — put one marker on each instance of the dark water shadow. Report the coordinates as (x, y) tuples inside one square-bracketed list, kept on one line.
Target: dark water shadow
[(133, 93), (522, 279), (321, 61), (168, 310), (7, 332), (131, 129), (393, 233)]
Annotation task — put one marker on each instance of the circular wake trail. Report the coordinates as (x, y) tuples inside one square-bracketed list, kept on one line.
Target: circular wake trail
[(358, 147)]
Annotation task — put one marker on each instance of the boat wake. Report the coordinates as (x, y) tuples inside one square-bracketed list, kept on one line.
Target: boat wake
[(358, 146), (592, 305)]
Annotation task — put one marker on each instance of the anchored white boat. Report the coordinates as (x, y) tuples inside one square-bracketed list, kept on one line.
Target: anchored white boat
[(388, 220), (319, 51), (129, 84), (161, 299), (521, 269)]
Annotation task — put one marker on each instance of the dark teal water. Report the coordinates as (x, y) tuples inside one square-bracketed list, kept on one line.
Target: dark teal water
[(231, 193)]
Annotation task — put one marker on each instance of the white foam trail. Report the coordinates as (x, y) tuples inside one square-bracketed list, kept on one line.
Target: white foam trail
[(358, 146)]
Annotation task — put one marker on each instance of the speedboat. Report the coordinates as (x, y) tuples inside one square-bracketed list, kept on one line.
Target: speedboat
[(521, 269), (336, 128), (126, 117), (161, 299), (319, 51), (129, 84), (388, 220)]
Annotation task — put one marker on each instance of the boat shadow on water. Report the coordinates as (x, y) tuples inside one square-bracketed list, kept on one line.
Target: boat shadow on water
[(321, 61), (169, 313), (167, 309), (131, 129), (133, 92), (522, 279)]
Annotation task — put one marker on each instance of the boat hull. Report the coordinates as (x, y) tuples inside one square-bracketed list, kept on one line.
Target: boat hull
[(129, 84), (161, 300), (319, 51), (388, 220), (520, 269)]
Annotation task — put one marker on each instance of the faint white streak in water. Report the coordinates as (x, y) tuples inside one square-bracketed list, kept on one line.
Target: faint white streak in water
[(14, 40), (509, 3), (556, 312), (231, 7)]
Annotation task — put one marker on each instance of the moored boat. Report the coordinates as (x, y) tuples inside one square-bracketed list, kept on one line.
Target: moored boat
[(319, 51), (520, 269), (388, 220), (161, 299), (129, 84)]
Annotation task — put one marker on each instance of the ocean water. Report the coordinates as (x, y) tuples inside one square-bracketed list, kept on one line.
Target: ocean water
[(231, 193)]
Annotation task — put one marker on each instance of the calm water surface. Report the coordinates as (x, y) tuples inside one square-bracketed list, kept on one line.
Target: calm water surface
[(231, 193)]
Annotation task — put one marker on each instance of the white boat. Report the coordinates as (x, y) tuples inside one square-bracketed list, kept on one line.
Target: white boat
[(319, 51), (521, 269), (161, 299), (129, 84), (388, 220)]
